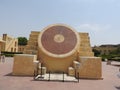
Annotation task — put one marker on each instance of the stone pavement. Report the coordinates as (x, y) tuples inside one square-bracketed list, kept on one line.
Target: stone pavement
[(110, 81)]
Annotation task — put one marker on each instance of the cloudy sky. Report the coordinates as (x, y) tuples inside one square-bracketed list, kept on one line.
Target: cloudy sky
[(100, 18)]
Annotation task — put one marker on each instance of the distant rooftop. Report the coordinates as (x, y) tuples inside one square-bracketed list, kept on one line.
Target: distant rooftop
[(110, 45)]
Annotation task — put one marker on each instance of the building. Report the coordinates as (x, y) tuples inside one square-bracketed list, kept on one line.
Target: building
[(106, 49), (21, 48), (10, 44), (1, 43)]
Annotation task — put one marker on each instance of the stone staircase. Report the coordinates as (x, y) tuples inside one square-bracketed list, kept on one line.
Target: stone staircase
[(85, 47), (32, 47)]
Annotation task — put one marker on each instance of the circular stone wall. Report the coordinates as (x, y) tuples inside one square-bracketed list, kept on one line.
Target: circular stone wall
[(58, 45)]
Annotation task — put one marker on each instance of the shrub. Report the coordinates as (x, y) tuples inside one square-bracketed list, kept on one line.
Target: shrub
[(10, 54)]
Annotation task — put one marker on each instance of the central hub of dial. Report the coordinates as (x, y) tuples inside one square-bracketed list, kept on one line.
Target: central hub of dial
[(59, 38)]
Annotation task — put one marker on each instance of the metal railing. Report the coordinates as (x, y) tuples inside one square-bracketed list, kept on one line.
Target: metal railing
[(38, 75), (41, 77)]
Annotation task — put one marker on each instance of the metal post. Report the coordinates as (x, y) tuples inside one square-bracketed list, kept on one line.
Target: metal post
[(78, 77), (75, 73), (34, 75), (49, 77), (41, 69), (63, 76), (37, 72)]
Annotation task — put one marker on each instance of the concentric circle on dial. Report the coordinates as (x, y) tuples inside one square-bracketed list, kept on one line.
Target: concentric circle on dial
[(58, 40)]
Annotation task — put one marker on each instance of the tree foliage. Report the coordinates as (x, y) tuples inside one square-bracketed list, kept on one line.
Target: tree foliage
[(96, 52), (22, 41), (113, 55), (116, 52)]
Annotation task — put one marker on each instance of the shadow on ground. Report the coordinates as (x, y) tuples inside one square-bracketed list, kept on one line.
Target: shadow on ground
[(11, 75), (117, 87)]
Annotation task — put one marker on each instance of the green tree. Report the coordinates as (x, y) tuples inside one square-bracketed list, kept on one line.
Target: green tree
[(96, 52), (22, 41), (116, 52)]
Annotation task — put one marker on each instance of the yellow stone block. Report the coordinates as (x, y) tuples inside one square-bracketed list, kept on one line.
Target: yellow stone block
[(23, 64), (87, 49), (76, 64), (90, 67), (85, 44), (83, 34), (36, 65), (44, 70), (71, 71)]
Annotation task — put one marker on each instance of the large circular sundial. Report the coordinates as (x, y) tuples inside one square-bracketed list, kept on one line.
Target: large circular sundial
[(58, 40)]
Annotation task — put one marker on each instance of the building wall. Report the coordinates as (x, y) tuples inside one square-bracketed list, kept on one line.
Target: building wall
[(105, 49), (21, 48), (11, 43), (1, 43)]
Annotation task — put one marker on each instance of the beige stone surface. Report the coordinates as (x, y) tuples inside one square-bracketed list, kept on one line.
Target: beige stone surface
[(44, 70), (90, 67), (76, 64), (57, 65), (32, 47), (85, 47), (36, 65), (86, 54), (21, 48), (23, 64), (10, 43), (71, 71)]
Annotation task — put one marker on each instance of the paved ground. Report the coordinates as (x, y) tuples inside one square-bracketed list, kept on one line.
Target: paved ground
[(8, 82)]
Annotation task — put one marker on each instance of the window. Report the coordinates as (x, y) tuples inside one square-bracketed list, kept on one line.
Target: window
[(14, 49), (15, 43), (11, 49)]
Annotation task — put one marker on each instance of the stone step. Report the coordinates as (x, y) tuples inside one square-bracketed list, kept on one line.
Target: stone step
[(71, 71)]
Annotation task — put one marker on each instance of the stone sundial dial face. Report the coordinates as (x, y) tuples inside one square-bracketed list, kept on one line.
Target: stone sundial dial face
[(58, 40)]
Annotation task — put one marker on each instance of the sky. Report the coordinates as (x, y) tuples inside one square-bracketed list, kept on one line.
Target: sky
[(99, 18)]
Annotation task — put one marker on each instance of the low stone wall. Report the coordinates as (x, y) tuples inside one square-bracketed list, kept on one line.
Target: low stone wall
[(90, 67), (23, 64)]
